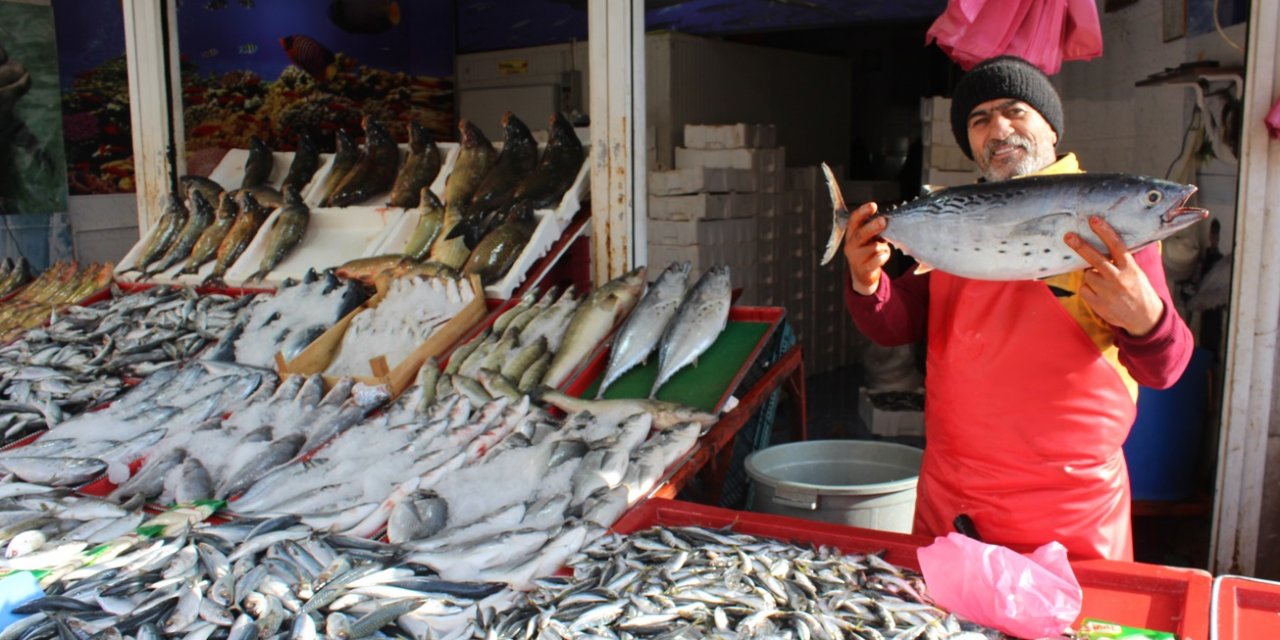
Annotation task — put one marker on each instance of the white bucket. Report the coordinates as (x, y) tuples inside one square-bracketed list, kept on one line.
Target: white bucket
[(861, 483)]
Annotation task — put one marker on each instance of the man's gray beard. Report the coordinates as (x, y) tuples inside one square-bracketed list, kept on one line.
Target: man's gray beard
[(1030, 163)]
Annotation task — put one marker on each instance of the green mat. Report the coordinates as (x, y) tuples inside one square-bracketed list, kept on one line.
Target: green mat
[(701, 386)]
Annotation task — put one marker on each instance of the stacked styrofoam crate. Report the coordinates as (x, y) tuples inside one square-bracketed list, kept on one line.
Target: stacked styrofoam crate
[(708, 209), (944, 164)]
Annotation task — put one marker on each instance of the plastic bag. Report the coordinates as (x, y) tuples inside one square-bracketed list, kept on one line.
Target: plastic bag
[(1033, 596), (1273, 121), (1043, 32)]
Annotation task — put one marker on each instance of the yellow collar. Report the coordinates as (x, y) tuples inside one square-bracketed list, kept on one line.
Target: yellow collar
[(1065, 164)]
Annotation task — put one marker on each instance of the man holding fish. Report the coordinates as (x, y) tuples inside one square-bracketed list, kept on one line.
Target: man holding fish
[(1047, 309)]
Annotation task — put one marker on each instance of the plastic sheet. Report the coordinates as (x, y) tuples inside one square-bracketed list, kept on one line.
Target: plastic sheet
[(1028, 596), (1043, 32)]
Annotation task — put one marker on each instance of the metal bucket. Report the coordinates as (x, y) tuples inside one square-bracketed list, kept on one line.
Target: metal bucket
[(854, 482)]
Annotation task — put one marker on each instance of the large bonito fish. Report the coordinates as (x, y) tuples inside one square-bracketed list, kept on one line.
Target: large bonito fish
[(1013, 230)]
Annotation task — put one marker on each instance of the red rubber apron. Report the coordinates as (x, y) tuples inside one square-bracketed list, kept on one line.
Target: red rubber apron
[(1025, 420)]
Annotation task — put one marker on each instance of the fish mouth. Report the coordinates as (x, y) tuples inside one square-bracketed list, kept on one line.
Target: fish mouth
[(1184, 215)]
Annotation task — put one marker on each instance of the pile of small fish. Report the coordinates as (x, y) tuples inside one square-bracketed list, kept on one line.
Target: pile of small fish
[(82, 358), (107, 441), (44, 527), (410, 312), (62, 284), (14, 275), (250, 580), (693, 582), (221, 457), (290, 320)]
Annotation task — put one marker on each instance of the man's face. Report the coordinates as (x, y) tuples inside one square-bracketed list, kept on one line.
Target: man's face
[(1009, 139)]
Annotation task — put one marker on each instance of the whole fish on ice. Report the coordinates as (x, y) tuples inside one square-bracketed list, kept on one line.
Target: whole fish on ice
[(1013, 230)]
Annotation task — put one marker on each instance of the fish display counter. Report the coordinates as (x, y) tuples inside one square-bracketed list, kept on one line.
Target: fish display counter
[(496, 210)]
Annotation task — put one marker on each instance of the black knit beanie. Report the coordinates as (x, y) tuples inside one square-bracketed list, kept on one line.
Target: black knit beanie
[(1003, 77)]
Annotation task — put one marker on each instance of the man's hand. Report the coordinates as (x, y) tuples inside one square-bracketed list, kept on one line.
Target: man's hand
[(864, 249), (1116, 288)]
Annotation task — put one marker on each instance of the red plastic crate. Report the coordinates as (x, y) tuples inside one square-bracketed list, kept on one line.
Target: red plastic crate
[(1127, 593), (1246, 608)]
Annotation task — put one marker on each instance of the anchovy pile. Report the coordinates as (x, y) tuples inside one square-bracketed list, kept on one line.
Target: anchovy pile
[(412, 310), (253, 580), (290, 320), (83, 448), (81, 359), (691, 582), (221, 457)]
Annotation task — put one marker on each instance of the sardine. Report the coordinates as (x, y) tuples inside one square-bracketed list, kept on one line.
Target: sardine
[(286, 233), (419, 169), (702, 315), (640, 334), (1013, 230)]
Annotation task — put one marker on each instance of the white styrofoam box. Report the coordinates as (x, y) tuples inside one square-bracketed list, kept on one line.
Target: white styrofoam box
[(937, 133), (701, 180), (651, 159), (795, 203), (884, 422), (699, 258), (767, 160), (737, 231), (767, 204), (935, 108), (946, 157), (941, 178), (702, 206), (730, 136), (771, 180), (803, 178)]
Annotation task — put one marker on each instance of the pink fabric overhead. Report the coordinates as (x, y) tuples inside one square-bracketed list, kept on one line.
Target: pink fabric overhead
[(1043, 32)]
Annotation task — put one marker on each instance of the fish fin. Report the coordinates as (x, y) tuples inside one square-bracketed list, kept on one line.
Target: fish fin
[(1059, 292), (923, 267), (1043, 225), (839, 216), (393, 13)]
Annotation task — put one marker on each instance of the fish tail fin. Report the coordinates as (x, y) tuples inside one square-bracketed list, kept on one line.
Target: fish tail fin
[(214, 280), (393, 13), (839, 216), (257, 276)]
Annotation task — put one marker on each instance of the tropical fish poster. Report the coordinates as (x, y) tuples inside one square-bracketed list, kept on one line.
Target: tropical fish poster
[(278, 69), (32, 175)]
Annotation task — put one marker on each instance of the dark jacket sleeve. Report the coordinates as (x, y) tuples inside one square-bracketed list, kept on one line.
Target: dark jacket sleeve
[(1157, 359), (896, 314)]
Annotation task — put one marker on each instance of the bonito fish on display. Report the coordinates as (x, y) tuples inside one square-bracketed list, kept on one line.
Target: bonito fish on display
[(692, 582), (85, 447), (63, 283), (1013, 230), (290, 320), (412, 310), (79, 361)]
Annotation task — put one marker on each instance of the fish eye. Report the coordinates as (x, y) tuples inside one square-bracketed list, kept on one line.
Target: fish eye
[(1154, 197)]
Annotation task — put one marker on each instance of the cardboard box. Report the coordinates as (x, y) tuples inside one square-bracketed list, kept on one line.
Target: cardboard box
[(701, 180), (317, 356), (702, 206), (730, 136), (889, 422), (741, 231)]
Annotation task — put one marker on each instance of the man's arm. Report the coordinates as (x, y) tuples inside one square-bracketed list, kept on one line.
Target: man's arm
[(895, 314), (1158, 358)]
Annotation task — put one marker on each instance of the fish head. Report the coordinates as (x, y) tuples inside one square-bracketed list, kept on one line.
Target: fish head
[(198, 201), (1153, 209), (256, 145), (173, 205), (472, 136), (227, 206), (514, 129), (292, 196), (674, 279), (428, 202), (419, 137), (343, 141)]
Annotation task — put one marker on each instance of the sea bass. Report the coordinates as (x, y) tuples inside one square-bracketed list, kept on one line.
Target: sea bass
[(1013, 230), (287, 232), (201, 217), (206, 247), (163, 234), (420, 168), (639, 336), (592, 321), (430, 222), (699, 321)]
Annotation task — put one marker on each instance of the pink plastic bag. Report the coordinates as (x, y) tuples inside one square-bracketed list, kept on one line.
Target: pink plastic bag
[(1033, 596), (1043, 32), (1273, 121)]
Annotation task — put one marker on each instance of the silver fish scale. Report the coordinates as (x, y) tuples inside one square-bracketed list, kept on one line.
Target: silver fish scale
[(691, 582)]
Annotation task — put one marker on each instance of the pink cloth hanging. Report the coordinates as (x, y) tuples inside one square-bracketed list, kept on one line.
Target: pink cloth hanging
[(1273, 121), (1043, 32)]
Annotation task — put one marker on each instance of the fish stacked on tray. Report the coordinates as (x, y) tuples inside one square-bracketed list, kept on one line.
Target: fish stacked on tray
[(692, 582), (92, 444), (83, 357), (61, 284), (288, 321), (45, 527)]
